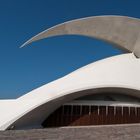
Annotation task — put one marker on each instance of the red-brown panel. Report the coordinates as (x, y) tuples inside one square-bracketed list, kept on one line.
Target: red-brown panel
[(94, 115), (110, 115)]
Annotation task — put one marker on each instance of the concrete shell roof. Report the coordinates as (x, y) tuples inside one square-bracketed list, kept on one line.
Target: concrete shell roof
[(122, 31)]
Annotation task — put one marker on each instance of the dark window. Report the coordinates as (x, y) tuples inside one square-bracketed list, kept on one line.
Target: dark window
[(111, 110), (102, 110), (118, 110), (67, 109), (76, 110), (85, 109), (94, 109)]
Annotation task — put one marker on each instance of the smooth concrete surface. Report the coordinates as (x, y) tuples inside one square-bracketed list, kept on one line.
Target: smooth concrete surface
[(116, 132), (119, 73), (122, 31)]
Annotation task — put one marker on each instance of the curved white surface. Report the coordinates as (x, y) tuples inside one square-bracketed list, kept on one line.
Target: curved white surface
[(122, 31), (120, 71)]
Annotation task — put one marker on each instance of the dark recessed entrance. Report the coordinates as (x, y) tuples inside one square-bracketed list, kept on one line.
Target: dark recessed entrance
[(102, 109), (74, 115)]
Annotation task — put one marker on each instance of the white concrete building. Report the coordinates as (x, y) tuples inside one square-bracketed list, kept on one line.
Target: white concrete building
[(103, 92)]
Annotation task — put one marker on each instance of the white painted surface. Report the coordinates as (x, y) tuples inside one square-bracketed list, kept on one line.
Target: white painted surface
[(118, 71)]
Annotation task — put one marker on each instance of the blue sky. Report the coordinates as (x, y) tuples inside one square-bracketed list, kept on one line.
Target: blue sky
[(22, 70)]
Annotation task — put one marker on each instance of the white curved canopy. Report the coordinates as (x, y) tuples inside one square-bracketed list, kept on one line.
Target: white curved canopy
[(120, 71), (122, 31)]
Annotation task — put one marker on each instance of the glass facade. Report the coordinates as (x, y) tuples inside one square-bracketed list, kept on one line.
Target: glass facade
[(75, 115)]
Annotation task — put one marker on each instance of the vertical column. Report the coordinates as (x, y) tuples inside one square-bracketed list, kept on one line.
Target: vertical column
[(106, 110), (106, 115), (122, 110), (98, 110), (89, 110)]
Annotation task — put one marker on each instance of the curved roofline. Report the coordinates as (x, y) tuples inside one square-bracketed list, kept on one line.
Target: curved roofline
[(120, 72), (122, 31)]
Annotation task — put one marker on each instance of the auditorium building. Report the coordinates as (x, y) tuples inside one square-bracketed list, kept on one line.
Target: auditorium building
[(105, 92)]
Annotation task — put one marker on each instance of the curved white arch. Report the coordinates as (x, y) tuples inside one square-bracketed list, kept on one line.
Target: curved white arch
[(119, 71), (122, 31)]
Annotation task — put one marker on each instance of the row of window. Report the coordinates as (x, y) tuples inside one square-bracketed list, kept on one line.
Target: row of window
[(75, 115)]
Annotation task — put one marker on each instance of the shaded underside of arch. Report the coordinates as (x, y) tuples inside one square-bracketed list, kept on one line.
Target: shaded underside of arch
[(35, 117), (121, 31)]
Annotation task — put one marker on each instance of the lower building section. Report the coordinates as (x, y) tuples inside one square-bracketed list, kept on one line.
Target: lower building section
[(81, 115), (96, 109)]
